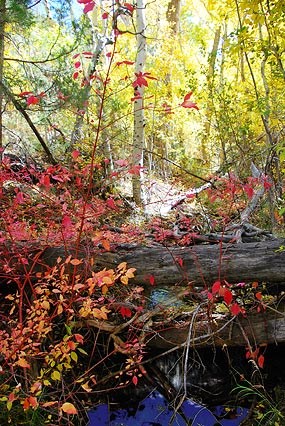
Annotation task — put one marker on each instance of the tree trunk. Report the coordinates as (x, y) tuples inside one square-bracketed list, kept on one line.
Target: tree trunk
[(139, 134), (173, 15)]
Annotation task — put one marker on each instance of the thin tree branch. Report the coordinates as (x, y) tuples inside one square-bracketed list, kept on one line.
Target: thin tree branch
[(19, 108)]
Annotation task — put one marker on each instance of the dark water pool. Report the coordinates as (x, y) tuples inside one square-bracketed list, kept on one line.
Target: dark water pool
[(155, 410)]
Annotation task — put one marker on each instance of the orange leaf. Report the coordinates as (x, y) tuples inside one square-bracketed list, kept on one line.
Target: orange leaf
[(106, 245), (260, 361), (23, 363), (69, 408), (49, 403), (75, 262)]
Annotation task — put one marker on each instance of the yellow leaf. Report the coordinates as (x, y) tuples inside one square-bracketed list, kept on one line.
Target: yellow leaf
[(45, 304), (122, 267), (9, 405), (59, 309), (130, 272), (55, 375), (69, 408), (86, 387)]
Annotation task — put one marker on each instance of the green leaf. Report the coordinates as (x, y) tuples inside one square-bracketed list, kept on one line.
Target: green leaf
[(74, 356), (55, 375)]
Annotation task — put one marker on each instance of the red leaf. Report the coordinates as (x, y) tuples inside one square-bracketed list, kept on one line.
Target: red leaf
[(260, 361), (20, 197), (77, 64), (135, 170), (216, 287), (75, 154), (122, 163), (248, 190), (210, 295), (89, 7), (151, 279), (228, 296), (45, 181), (179, 261), (78, 338), (135, 380), (235, 309), (32, 100), (267, 184), (111, 203), (66, 222), (125, 312), (141, 79), (23, 94), (75, 75), (105, 15), (187, 103), (258, 295), (130, 7), (124, 62)]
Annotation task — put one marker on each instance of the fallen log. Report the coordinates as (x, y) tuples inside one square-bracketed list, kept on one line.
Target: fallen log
[(201, 264), (251, 330)]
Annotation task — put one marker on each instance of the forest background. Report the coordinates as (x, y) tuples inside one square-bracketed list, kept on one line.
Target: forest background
[(100, 100)]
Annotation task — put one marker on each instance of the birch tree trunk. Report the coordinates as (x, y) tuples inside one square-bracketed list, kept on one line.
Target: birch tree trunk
[(139, 133), (2, 41)]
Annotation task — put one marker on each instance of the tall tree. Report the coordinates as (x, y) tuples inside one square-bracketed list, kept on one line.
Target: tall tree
[(139, 119), (173, 15)]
